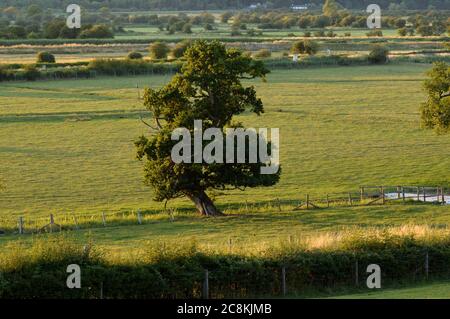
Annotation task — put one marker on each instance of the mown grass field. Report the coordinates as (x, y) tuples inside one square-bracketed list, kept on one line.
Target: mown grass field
[(68, 145)]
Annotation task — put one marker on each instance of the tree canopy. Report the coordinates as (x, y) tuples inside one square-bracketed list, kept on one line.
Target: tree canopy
[(435, 112), (208, 88)]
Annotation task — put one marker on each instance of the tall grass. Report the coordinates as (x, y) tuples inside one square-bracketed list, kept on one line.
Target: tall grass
[(38, 270)]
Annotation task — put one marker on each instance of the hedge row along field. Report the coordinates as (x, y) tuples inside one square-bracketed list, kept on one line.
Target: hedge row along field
[(115, 67), (316, 266)]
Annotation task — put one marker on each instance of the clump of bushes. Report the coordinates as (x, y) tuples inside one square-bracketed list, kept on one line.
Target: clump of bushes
[(158, 50), (379, 54), (45, 57), (180, 48), (305, 47), (375, 33), (263, 54), (134, 56)]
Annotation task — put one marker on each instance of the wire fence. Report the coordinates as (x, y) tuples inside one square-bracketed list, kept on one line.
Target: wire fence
[(367, 196)]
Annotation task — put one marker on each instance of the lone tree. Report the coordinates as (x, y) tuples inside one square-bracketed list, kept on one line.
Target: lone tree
[(435, 112), (304, 47), (208, 88)]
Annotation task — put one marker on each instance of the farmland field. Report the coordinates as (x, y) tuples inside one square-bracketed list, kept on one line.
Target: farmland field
[(68, 145)]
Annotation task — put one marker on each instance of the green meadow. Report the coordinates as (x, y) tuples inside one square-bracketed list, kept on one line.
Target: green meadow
[(67, 146)]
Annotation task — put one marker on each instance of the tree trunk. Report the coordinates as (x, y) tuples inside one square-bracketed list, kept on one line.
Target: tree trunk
[(204, 204)]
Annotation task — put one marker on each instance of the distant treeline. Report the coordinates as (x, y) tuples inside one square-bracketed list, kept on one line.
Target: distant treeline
[(226, 4)]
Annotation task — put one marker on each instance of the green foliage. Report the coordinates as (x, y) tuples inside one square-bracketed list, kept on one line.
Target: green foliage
[(208, 88), (305, 47), (134, 55), (263, 54), (379, 54), (177, 271), (180, 48), (97, 32), (435, 112), (45, 57), (158, 50)]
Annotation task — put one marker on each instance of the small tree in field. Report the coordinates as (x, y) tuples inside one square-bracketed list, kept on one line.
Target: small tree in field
[(208, 88), (158, 50), (305, 47), (134, 56), (45, 57), (435, 112), (378, 55)]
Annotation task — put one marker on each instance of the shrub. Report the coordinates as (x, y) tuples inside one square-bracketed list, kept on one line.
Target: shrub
[(97, 32), (134, 55), (263, 53), (319, 33), (307, 34), (378, 55), (158, 50), (402, 32), (179, 49), (45, 57), (304, 47), (375, 33), (187, 28), (31, 73)]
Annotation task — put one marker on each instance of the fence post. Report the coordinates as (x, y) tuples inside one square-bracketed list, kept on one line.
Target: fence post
[(437, 194), (362, 194), (139, 217), (426, 265), (350, 199), (403, 193), (442, 194), (328, 201), (424, 194), (418, 193), (398, 192), (205, 292), (52, 222), (21, 225), (382, 194), (279, 204), (75, 221), (283, 281), (307, 201), (104, 219)]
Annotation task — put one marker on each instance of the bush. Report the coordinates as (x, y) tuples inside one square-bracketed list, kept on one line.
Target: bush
[(31, 73), (375, 33), (378, 55), (305, 47), (320, 33), (134, 55), (307, 34), (158, 50), (263, 53), (402, 32), (45, 57), (99, 31), (179, 49), (187, 28)]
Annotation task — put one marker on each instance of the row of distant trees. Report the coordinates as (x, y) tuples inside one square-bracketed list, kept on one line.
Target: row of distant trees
[(228, 4), (34, 22)]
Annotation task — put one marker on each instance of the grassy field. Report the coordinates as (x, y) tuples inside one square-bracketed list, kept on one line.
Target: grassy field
[(431, 291), (68, 145)]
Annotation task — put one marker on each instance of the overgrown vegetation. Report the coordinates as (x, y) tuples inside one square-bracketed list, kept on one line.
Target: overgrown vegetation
[(319, 266)]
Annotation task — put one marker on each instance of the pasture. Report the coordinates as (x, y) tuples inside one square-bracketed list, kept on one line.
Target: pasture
[(68, 145)]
